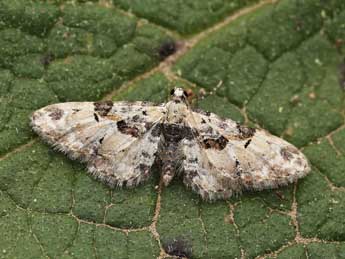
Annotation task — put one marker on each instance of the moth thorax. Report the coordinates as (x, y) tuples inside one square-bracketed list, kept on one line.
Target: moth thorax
[(176, 112)]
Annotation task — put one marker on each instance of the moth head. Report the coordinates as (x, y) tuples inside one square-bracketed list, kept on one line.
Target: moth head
[(178, 95)]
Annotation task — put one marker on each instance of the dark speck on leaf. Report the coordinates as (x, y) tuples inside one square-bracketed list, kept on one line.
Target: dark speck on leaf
[(179, 247), (166, 49), (46, 59)]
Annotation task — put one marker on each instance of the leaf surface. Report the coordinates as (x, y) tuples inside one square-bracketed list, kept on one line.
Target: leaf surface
[(278, 65)]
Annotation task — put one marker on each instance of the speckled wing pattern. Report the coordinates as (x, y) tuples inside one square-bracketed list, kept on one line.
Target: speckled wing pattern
[(117, 141), (120, 142), (226, 158)]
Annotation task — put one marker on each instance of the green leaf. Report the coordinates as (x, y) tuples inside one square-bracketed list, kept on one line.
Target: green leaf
[(276, 65)]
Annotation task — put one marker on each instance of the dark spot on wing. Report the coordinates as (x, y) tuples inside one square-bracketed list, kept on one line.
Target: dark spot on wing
[(215, 143), (178, 246), (96, 117), (299, 161), (124, 128), (148, 125), (101, 140), (193, 160), (56, 113), (93, 153), (245, 132), (144, 113), (144, 168), (237, 163), (75, 110), (145, 154), (156, 131), (166, 49), (135, 118), (103, 107), (222, 125), (247, 143), (191, 174), (203, 121), (238, 169), (286, 154)]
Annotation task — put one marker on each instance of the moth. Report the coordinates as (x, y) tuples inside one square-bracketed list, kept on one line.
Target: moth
[(120, 142)]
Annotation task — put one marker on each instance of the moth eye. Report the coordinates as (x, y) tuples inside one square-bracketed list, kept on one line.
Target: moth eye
[(185, 93), (172, 91)]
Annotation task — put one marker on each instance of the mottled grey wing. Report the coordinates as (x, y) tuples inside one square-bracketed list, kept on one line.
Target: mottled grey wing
[(117, 141), (225, 158)]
